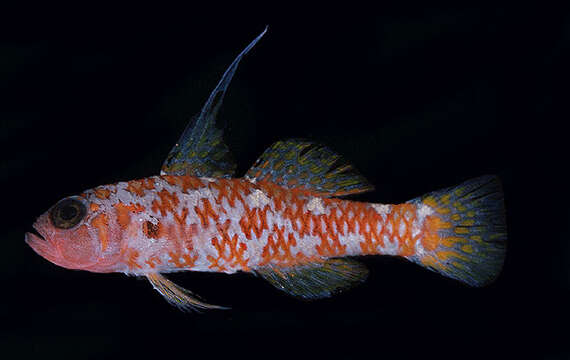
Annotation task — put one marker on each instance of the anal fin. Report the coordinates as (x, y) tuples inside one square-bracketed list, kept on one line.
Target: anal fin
[(177, 295), (315, 280)]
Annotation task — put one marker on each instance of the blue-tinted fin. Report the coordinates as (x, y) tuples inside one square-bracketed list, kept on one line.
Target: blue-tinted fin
[(178, 296), (316, 280), (471, 231), (201, 150), (303, 164)]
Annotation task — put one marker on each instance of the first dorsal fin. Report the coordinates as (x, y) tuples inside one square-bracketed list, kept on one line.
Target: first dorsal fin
[(177, 295), (299, 163), (315, 280), (201, 150)]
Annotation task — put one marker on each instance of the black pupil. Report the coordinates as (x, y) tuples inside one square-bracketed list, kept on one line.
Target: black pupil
[(68, 212)]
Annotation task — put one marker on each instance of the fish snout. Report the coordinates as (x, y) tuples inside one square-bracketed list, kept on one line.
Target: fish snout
[(41, 246)]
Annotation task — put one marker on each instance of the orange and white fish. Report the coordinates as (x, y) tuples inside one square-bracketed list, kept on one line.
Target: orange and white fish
[(284, 220)]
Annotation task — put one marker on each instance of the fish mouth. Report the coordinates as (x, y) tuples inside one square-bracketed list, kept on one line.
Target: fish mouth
[(40, 245)]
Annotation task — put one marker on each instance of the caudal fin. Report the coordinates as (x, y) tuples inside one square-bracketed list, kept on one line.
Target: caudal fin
[(468, 231)]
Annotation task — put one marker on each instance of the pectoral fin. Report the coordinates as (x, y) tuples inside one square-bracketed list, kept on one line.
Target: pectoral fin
[(177, 295)]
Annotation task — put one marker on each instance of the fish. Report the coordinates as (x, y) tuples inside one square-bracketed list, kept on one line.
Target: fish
[(287, 220)]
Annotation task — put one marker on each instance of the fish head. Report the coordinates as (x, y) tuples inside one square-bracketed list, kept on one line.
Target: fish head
[(66, 236)]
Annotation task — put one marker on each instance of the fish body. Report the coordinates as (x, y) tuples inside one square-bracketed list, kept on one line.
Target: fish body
[(176, 223), (285, 220)]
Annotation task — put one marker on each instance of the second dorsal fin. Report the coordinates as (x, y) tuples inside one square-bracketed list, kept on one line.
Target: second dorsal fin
[(299, 163)]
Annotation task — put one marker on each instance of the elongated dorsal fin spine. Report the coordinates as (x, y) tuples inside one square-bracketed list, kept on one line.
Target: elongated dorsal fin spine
[(201, 150)]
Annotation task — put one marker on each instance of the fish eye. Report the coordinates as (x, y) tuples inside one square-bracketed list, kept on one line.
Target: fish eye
[(67, 213)]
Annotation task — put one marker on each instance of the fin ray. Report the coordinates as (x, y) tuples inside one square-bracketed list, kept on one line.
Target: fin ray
[(300, 163), (201, 151), (176, 295), (315, 280), (471, 231)]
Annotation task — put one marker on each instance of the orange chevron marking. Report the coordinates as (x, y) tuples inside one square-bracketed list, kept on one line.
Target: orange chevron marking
[(182, 260), (228, 250), (181, 218), (405, 214), (138, 187), (222, 187), (152, 261), (278, 248), (326, 248), (368, 220), (230, 189), (132, 256), (186, 183), (166, 203), (254, 221), (205, 213), (190, 260)]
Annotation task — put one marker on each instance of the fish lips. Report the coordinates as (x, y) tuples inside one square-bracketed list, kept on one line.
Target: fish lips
[(43, 247)]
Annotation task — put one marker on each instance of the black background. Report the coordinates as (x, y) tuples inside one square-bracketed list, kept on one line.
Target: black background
[(417, 98)]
